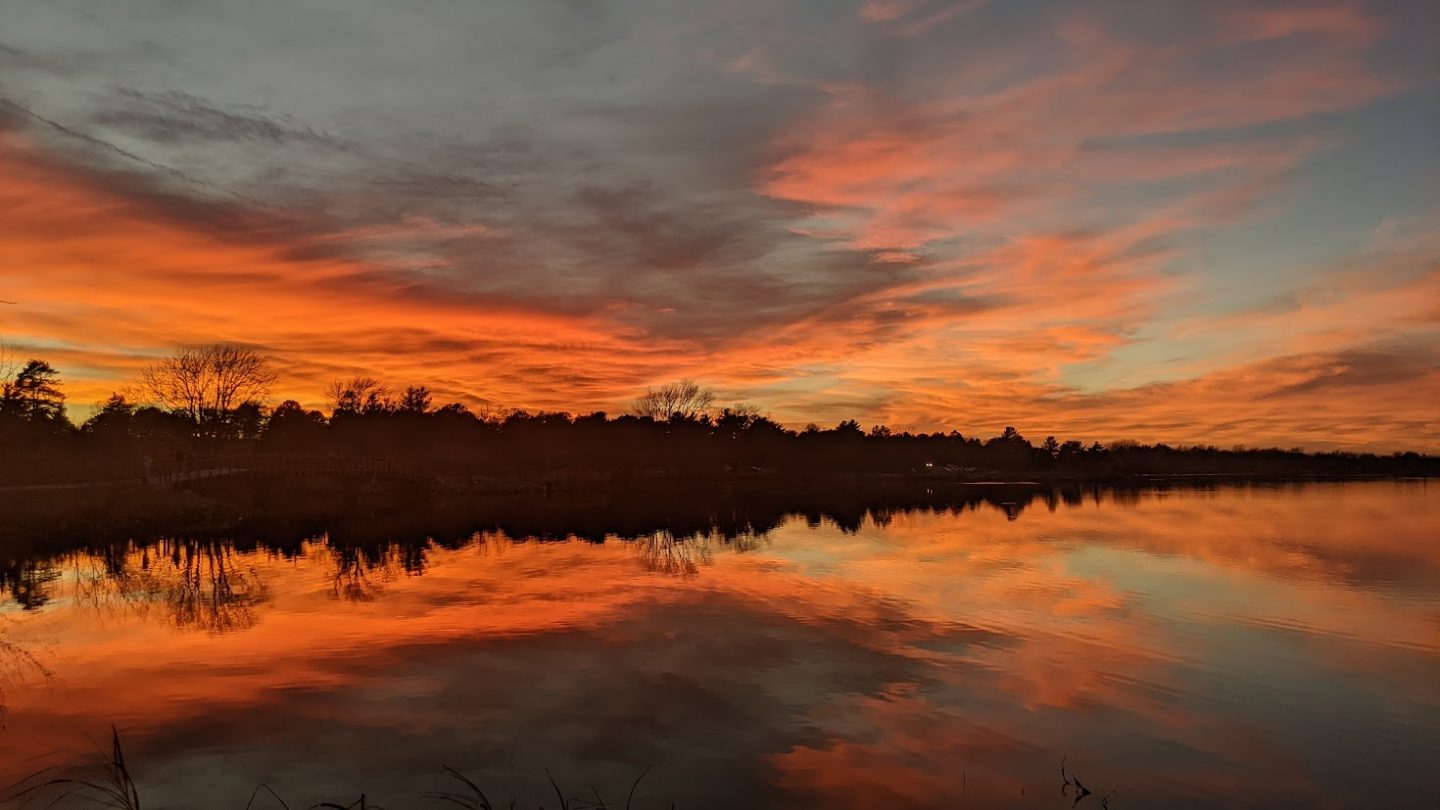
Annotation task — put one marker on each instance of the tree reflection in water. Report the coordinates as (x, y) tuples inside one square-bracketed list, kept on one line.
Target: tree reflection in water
[(664, 553), (17, 665), (29, 582), (360, 573), (215, 585), (194, 584), (203, 586), (867, 642)]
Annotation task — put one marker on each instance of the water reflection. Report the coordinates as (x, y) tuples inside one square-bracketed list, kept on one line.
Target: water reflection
[(205, 585), (28, 582), (406, 534), (18, 666), (201, 585), (360, 575), (664, 553), (1227, 647)]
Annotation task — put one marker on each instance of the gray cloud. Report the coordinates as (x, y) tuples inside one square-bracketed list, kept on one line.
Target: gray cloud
[(608, 150), (622, 161), (174, 116)]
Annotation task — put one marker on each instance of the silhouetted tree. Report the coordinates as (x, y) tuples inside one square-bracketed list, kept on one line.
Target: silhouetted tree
[(1070, 453), (1009, 451), (112, 419), (206, 384), (246, 421), (116, 405), (34, 393), (290, 426), (416, 400), (358, 395), (8, 362), (684, 399), (37, 444)]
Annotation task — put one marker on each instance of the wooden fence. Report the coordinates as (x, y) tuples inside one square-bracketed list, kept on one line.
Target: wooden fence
[(279, 465)]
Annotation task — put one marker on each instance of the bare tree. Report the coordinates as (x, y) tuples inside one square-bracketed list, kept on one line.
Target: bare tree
[(206, 384), (9, 363), (684, 399), (358, 395)]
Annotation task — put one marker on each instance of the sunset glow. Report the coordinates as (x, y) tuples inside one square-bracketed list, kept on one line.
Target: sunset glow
[(1181, 222)]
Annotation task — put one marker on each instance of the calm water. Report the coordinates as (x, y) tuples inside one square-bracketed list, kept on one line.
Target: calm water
[(1260, 647)]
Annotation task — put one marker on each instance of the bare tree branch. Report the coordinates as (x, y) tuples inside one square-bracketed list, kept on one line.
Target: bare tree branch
[(359, 395), (206, 384), (684, 399)]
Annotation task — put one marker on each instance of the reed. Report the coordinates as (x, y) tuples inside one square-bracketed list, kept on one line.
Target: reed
[(112, 787), (110, 784)]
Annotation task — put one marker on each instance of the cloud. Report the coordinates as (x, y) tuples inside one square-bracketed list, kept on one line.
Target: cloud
[(174, 116), (931, 213)]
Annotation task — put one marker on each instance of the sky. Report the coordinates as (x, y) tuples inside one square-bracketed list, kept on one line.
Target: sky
[(1191, 222)]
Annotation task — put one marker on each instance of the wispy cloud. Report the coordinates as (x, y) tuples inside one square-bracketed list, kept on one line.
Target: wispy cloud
[(940, 214)]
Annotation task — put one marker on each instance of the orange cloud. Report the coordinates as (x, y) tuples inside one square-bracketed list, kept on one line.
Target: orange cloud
[(1001, 240), (152, 280)]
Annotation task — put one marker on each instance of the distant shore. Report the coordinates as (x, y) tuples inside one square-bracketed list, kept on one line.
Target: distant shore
[(561, 483), (66, 514)]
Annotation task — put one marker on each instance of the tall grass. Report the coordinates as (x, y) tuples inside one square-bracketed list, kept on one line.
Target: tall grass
[(109, 783)]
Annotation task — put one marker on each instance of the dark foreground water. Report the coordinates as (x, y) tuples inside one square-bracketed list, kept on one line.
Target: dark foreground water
[(1252, 646)]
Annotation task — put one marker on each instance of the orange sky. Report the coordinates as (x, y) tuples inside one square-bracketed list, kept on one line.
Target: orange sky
[(1213, 224)]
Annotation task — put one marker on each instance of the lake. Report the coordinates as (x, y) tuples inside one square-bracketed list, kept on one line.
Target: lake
[(1234, 646)]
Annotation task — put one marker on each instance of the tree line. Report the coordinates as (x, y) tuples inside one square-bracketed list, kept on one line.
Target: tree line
[(212, 401)]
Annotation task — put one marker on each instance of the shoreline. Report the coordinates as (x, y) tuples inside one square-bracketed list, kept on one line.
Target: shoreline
[(562, 483), (41, 517)]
